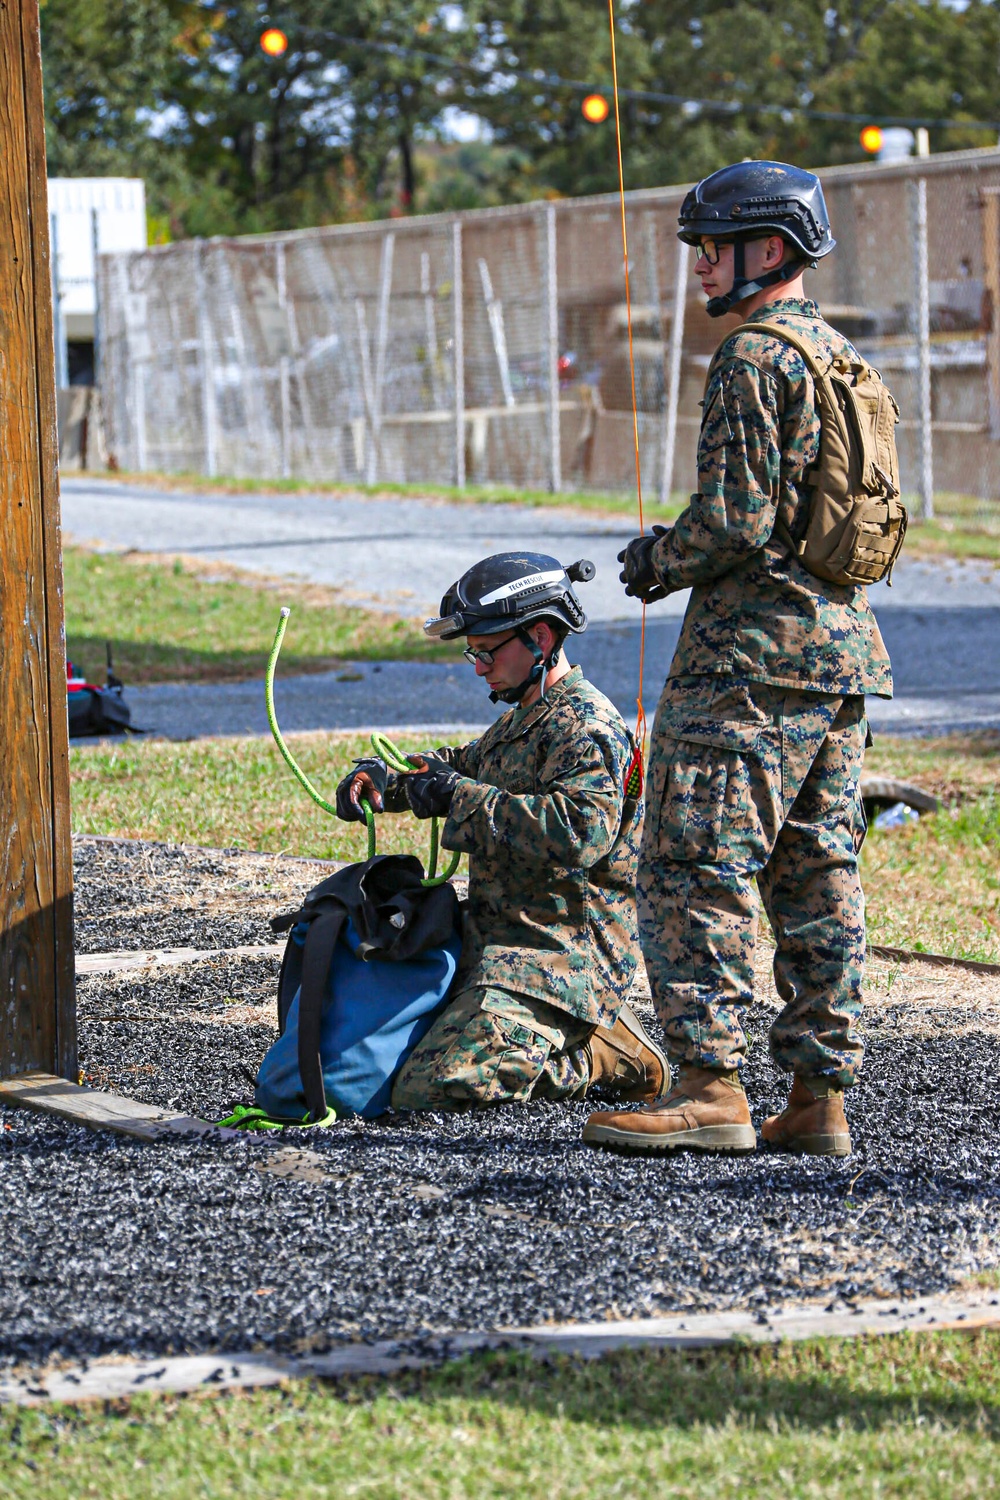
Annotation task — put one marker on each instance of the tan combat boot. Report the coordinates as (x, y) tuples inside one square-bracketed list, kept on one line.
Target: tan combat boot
[(813, 1121), (704, 1111), (624, 1059)]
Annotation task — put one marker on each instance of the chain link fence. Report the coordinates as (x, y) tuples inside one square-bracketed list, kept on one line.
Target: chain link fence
[(491, 347)]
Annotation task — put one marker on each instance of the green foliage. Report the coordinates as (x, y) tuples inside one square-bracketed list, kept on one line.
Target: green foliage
[(351, 122)]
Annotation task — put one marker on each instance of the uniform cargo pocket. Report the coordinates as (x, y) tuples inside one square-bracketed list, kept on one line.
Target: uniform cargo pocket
[(705, 799)]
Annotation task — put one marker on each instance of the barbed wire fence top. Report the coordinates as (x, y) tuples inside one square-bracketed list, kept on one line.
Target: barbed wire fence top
[(490, 347)]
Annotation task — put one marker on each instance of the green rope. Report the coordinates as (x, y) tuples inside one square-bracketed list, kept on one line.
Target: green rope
[(387, 751), (279, 739), (293, 766), (252, 1117), (384, 748)]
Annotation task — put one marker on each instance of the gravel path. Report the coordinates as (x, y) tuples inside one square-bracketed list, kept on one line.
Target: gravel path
[(448, 1222)]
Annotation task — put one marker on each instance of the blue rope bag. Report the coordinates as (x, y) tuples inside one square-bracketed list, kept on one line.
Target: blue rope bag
[(368, 967)]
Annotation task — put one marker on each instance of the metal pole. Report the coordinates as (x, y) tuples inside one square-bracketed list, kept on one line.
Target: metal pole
[(94, 249), (922, 311), (552, 348), (381, 341), (283, 368), (58, 321), (494, 312), (430, 326), (207, 369), (458, 351), (141, 447), (674, 374), (991, 264)]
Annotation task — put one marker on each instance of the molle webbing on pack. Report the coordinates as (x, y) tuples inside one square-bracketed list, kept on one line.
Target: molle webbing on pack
[(855, 523)]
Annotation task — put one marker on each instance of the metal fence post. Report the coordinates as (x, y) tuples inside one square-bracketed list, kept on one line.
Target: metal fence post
[(95, 251), (284, 386), (373, 454), (207, 368), (922, 311), (552, 348), (58, 321), (458, 351), (674, 374)]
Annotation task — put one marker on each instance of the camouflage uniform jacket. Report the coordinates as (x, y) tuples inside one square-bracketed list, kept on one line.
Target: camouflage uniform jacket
[(553, 844), (754, 610)]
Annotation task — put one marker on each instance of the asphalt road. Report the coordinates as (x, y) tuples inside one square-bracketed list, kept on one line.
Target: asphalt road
[(941, 623)]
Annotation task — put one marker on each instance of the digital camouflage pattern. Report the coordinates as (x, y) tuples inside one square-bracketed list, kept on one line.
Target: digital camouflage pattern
[(552, 842), (494, 1047), (755, 611), (749, 780)]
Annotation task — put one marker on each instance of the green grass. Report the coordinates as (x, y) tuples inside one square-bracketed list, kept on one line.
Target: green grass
[(909, 1416), (233, 793), (934, 886), (168, 622)]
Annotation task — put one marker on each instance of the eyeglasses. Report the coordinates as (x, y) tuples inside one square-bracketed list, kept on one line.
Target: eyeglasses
[(484, 656), (710, 249)]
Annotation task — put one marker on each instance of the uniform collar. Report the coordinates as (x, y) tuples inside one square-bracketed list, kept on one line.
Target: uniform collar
[(799, 307), (511, 725)]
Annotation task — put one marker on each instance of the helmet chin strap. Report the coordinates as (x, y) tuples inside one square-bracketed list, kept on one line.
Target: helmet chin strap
[(540, 666), (742, 287)]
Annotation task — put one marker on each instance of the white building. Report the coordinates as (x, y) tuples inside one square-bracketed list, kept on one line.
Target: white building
[(119, 204)]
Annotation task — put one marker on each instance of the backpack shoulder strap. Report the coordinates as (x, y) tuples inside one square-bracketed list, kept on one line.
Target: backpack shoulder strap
[(816, 366), (317, 956)]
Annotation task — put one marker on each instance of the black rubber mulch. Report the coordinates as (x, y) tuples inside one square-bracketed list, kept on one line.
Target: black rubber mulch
[(435, 1223)]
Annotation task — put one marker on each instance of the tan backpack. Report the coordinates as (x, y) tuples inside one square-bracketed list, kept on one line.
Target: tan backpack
[(856, 522)]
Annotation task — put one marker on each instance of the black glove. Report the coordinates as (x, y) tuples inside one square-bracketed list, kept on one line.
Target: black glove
[(638, 575), (430, 788), (368, 780)]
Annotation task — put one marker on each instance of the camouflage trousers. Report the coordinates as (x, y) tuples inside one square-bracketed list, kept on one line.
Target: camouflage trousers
[(749, 782), (494, 1047)]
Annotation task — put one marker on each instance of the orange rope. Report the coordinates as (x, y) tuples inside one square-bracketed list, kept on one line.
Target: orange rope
[(640, 721)]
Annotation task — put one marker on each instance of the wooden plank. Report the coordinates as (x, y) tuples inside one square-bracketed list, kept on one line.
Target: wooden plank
[(37, 1010), (120, 1379), (101, 1110), (154, 958)]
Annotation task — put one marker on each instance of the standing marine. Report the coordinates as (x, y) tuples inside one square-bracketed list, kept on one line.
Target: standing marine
[(759, 736), (541, 804)]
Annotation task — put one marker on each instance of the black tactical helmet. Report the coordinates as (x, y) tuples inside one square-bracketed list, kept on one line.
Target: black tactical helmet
[(752, 199), (508, 590)]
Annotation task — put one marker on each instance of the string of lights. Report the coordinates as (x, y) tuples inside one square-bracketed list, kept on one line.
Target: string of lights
[(689, 102)]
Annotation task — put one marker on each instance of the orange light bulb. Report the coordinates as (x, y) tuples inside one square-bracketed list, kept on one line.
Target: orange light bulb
[(274, 42), (871, 139), (595, 109)]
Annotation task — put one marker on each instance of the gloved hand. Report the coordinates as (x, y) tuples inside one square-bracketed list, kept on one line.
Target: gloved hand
[(638, 575), (430, 788), (368, 780)]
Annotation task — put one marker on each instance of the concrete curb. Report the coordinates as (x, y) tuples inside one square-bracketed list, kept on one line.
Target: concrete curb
[(121, 1379)]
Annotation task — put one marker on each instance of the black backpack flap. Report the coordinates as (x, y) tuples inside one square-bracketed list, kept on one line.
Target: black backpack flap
[(395, 916), (346, 885)]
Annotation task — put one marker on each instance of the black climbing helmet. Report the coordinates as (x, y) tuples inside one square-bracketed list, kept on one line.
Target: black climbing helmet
[(510, 590), (752, 199)]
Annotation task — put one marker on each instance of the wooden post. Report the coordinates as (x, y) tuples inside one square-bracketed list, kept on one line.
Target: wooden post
[(37, 1006)]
